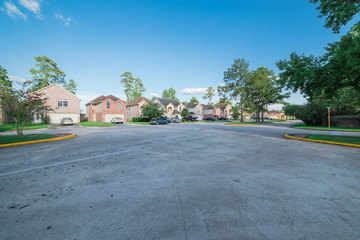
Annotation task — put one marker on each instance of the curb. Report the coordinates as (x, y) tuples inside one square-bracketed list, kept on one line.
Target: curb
[(325, 130), (321, 141), (39, 141)]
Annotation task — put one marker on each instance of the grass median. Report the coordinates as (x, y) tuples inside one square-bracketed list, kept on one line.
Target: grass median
[(5, 139), (304, 126), (11, 126), (141, 123), (332, 138)]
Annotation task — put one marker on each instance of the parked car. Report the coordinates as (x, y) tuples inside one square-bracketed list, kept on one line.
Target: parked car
[(66, 121), (191, 118), (223, 118), (163, 120), (210, 119), (117, 120), (175, 120)]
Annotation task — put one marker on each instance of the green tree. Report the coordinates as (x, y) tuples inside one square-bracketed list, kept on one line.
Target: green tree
[(152, 109), (46, 73), (133, 87), (235, 112), (315, 76), (20, 105), (4, 80), (210, 93), (235, 79), (194, 100), (291, 110), (185, 113), (337, 12), (262, 90), (170, 94), (224, 101)]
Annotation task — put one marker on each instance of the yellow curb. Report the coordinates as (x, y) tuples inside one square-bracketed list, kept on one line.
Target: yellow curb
[(321, 141), (38, 141), (232, 124)]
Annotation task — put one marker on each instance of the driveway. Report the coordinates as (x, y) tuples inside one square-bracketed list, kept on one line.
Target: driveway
[(182, 181)]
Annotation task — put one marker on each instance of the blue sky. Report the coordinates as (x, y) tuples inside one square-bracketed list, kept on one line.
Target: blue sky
[(184, 44)]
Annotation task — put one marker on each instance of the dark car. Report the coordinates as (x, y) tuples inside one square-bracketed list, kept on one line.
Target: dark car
[(223, 118), (163, 120), (191, 118), (210, 119)]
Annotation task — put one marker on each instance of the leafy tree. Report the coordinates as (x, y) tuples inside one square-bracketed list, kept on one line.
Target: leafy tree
[(47, 73), (20, 105), (194, 100), (185, 113), (152, 110), (316, 76), (291, 110), (134, 87), (262, 89), (337, 12), (312, 114), (170, 94), (210, 93), (235, 111), (224, 101), (4, 80), (235, 79)]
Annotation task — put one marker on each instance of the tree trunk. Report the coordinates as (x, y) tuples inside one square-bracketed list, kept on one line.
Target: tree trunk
[(262, 112)]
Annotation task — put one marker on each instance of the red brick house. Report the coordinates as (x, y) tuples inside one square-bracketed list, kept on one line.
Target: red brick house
[(105, 108)]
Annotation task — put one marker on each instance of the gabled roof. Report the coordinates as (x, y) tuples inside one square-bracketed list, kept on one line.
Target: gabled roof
[(53, 85), (166, 102), (205, 107), (103, 98), (136, 101), (190, 105), (222, 106)]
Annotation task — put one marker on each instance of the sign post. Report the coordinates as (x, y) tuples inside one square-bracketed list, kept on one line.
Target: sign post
[(328, 117)]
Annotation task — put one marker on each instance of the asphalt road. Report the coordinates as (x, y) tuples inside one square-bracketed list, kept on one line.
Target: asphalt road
[(182, 181)]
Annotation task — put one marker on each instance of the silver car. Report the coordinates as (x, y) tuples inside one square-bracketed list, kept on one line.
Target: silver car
[(117, 120), (67, 121)]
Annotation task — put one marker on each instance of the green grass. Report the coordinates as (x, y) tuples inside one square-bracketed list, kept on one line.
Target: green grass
[(304, 126), (11, 126), (14, 138), (331, 138), (96, 124), (253, 122), (141, 123), (244, 123)]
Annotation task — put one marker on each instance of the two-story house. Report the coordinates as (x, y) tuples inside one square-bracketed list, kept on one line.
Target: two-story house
[(133, 108), (172, 107), (195, 110), (62, 104), (105, 108), (223, 110), (208, 111)]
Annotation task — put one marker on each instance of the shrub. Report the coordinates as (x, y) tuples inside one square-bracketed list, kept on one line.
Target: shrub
[(312, 114), (141, 119)]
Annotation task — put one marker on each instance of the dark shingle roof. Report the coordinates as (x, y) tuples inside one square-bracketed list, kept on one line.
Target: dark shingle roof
[(136, 101), (165, 101), (222, 106), (205, 107), (190, 105), (103, 98)]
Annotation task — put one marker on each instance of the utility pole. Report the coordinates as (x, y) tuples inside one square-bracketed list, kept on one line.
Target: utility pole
[(328, 117)]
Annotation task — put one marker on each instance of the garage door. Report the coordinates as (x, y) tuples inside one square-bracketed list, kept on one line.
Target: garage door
[(56, 117), (108, 117)]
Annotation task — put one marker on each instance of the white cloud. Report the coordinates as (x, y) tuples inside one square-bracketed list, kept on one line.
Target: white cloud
[(33, 6), (194, 91), (13, 11), (17, 79), (154, 95), (67, 20)]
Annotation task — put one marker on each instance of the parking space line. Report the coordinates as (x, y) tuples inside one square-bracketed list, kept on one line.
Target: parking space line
[(59, 163)]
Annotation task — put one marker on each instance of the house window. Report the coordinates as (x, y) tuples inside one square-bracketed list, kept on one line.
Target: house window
[(119, 105), (37, 117), (93, 106), (108, 105), (180, 109), (62, 103)]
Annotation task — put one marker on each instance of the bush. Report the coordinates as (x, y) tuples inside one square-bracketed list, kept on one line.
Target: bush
[(140, 119), (312, 114)]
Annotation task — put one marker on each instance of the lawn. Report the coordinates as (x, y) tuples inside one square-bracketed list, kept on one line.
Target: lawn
[(96, 124), (254, 123), (11, 126), (332, 138), (304, 126), (14, 138)]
